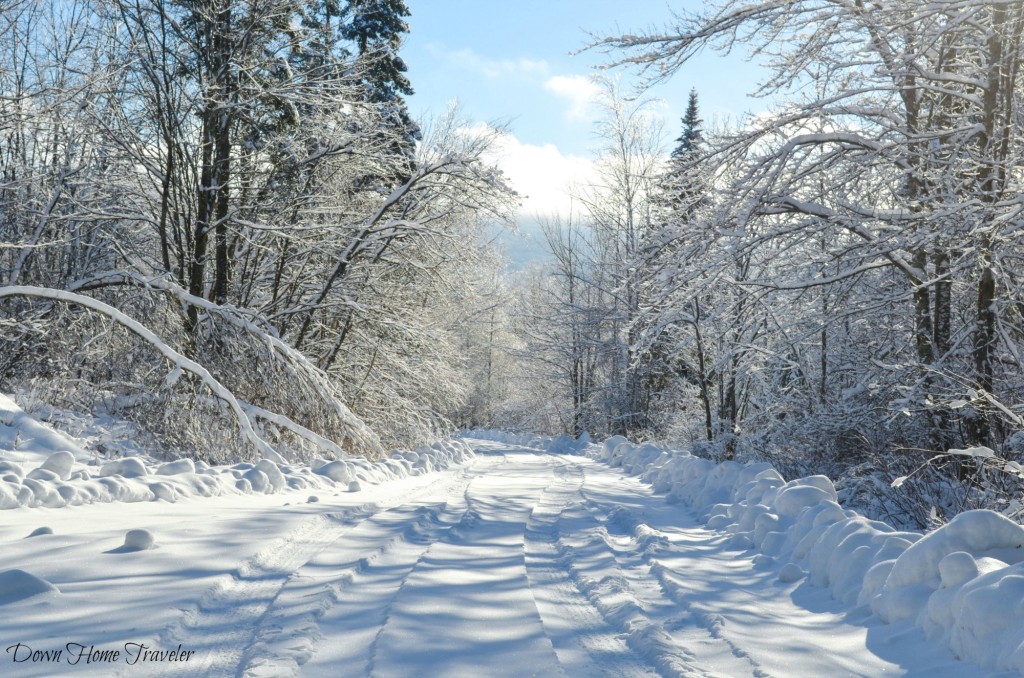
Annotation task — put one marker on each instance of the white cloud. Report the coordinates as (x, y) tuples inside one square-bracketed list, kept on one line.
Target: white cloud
[(542, 175), (491, 69), (580, 90)]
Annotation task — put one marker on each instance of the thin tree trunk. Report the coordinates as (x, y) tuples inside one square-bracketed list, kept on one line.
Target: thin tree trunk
[(705, 396)]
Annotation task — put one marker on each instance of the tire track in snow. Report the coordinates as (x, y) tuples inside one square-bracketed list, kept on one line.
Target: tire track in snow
[(466, 608), (651, 607), (290, 633), (348, 625), (650, 544), (222, 628), (585, 555), (466, 519), (583, 640)]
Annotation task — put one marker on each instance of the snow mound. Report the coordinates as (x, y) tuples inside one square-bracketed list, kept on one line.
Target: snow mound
[(797, 495), (9, 468), (275, 479), (60, 463), (129, 467), (174, 468), (17, 585), (791, 572), (29, 439), (338, 471), (983, 618), (258, 480), (138, 540), (40, 531), (979, 533), (163, 491)]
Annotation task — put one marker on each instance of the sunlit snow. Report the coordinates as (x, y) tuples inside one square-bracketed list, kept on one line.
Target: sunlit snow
[(503, 557)]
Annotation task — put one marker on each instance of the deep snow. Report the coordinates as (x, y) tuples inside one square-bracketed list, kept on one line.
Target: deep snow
[(525, 558)]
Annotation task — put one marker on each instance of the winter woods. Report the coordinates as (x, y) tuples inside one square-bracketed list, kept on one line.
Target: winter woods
[(243, 181), (834, 284)]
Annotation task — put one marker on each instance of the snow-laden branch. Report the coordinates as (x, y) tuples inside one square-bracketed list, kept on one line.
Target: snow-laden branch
[(787, 204), (179, 361), (361, 434), (255, 411)]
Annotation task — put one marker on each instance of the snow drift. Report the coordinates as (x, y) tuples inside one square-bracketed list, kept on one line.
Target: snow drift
[(40, 467)]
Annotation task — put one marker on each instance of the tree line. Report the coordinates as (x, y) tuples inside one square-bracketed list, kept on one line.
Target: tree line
[(244, 179), (833, 284), (222, 211)]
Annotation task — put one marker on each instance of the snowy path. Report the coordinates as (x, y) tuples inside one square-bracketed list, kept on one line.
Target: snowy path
[(520, 563)]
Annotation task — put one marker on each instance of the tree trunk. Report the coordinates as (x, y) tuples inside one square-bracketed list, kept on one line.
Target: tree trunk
[(212, 193), (942, 303), (705, 395), (221, 179), (923, 331), (984, 338)]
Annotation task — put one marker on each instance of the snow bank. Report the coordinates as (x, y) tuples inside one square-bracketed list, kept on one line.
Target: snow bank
[(962, 583), (24, 438), (49, 470)]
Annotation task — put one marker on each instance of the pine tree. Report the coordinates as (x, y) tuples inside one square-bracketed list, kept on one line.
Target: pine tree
[(692, 136), (683, 185), (376, 28), (672, 326)]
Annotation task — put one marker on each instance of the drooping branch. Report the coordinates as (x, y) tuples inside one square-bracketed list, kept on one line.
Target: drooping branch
[(179, 361), (359, 432)]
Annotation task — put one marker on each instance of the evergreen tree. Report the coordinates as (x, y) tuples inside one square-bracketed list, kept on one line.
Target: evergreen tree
[(671, 328), (376, 28), (323, 50), (683, 185), (690, 140)]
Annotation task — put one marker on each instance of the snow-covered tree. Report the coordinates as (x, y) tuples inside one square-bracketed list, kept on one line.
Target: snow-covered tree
[(862, 232), (376, 28), (213, 193), (584, 329)]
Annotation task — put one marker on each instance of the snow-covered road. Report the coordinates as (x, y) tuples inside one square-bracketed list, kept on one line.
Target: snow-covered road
[(519, 563)]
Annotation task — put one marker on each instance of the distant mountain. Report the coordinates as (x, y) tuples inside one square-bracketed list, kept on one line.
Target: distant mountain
[(523, 247)]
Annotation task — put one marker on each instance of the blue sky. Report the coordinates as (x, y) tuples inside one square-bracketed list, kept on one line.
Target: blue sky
[(510, 62)]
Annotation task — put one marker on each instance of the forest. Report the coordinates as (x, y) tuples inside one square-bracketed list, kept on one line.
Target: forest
[(220, 223)]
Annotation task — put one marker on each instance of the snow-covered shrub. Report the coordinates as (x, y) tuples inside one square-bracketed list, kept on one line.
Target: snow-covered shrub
[(177, 406)]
